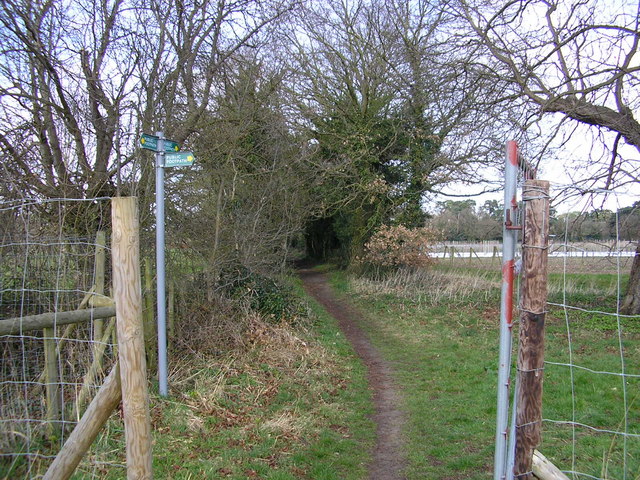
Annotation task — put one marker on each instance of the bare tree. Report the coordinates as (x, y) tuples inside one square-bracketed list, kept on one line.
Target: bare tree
[(390, 104), (63, 85), (578, 60), (77, 77)]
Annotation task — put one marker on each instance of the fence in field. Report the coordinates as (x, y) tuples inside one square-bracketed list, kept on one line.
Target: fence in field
[(587, 418), (69, 339), (558, 247), (600, 418)]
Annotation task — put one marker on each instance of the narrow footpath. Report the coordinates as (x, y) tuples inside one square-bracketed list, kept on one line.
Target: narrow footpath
[(388, 459)]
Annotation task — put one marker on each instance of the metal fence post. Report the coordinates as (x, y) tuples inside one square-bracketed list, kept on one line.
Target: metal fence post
[(506, 309), (160, 269)]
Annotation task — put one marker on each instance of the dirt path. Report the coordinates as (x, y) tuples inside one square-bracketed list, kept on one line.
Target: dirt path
[(388, 459)]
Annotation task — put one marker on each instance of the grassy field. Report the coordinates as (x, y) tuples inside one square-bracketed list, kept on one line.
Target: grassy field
[(440, 330)]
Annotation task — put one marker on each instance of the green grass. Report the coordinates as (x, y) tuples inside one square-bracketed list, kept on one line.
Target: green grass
[(292, 408), (444, 349), (445, 360), (295, 404)]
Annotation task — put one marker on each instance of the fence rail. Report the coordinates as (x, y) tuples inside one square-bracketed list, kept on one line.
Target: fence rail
[(556, 249)]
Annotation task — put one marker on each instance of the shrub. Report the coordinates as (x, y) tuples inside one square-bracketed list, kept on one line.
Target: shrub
[(399, 246), (262, 294)]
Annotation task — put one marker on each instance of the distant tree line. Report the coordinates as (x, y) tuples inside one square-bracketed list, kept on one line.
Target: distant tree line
[(465, 221)]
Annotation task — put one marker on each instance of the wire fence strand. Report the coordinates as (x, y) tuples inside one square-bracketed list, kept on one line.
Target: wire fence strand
[(591, 394)]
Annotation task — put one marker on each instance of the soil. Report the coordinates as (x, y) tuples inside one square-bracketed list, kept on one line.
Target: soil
[(388, 460)]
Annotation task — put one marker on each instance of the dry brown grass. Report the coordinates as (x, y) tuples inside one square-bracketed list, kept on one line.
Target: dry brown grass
[(430, 286), (455, 279), (268, 355), (556, 264)]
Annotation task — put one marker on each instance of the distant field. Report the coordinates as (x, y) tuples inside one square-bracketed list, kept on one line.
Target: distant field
[(607, 251), (556, 245), (573, 264)]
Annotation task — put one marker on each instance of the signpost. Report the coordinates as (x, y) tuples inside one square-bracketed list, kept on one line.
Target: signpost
[(167, 155), (150, 142), (181, 159)]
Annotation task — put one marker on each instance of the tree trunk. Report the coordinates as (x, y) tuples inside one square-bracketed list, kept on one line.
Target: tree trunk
[(631, 302)]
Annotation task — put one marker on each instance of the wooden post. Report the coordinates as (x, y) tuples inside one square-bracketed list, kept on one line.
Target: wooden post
[(533, 304), (114, 335), (543, 469), (494, 255), (52, 381), (101, 242), (133, 367), (87, 429), (11, 326)]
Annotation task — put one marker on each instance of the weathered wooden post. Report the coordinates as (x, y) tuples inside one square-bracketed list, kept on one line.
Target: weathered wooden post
[(127, 288), (533, 301), (52, 381), (99, 264)]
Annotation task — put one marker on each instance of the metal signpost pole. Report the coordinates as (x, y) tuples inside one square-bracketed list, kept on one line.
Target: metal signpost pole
[(506, 310), (168, 155), (162, 308)]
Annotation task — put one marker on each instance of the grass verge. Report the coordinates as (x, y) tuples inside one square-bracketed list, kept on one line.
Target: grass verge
[(291, 403)]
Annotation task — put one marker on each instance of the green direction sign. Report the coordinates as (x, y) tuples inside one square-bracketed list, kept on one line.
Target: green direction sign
[(171, 146), (180, 159), (150, 142)]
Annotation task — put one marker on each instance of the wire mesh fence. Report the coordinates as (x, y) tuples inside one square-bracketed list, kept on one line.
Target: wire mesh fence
[(591, 404), (53, 259), (572, 291)]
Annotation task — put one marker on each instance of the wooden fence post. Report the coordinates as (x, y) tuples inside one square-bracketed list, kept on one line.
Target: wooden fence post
[(11, 326), (127, 288), (495, 254), (533, 304), (52, 381), (99, 263)]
